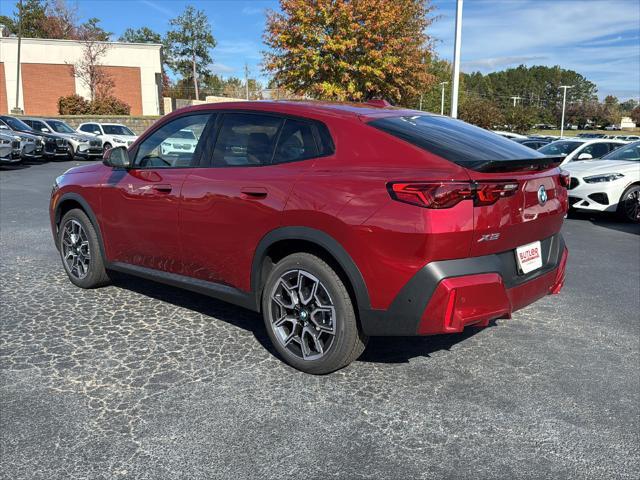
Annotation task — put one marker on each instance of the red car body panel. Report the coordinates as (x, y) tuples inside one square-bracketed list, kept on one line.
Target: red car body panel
[(210, 224)]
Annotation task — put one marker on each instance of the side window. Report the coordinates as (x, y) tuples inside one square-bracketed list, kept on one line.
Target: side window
[(296, 142), (87, 128), (38, 125), (246, 140), (174, 144), (596, 150)]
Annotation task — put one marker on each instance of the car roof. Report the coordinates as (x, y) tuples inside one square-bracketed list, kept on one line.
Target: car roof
[(305, 107)]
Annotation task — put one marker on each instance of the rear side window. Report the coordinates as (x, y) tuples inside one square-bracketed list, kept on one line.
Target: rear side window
[(296, 142), (454, 140), (246, 140)]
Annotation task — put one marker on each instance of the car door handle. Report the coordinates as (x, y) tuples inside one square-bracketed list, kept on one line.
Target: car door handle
[(162, 188), (253, 193)]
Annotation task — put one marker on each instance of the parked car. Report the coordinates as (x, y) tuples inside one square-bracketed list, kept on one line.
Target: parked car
[(580, 148), (55, 146), (611, 184), (179, 142), (111, 134), (31, 146), (80, 145), (9, 149), (337, 222), (533, 143)]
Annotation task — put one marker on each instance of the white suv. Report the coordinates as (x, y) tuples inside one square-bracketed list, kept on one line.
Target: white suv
[(573, 149), (611, 184), (111, 134)]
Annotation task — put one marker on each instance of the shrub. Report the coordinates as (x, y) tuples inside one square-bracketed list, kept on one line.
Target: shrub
[(109, 105), (73, 105)]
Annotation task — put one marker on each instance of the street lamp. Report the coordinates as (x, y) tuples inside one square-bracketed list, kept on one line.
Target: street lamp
[(564, 101), (456, 61), (442, 84)]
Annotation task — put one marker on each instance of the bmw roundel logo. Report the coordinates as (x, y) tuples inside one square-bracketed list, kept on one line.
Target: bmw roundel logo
[(542, 195)]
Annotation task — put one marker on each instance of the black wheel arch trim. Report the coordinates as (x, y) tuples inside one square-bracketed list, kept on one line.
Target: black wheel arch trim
[(72, 196), (323, 240)]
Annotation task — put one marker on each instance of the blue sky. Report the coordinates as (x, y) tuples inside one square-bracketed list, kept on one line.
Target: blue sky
[(598, 38)]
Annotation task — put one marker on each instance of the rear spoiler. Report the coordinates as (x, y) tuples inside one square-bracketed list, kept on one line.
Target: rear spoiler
[(525, 164)]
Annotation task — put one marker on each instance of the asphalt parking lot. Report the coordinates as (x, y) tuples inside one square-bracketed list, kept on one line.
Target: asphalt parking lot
[(138, 380)]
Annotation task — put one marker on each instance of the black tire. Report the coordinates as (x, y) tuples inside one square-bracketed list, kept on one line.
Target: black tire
[(629, 204), (96, 275), (72, 152), (347, 343)]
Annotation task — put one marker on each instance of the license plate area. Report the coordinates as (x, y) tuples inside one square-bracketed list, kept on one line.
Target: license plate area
[(529, 257)]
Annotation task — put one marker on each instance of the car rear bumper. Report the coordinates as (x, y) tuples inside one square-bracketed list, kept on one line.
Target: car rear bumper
[(447, 296)]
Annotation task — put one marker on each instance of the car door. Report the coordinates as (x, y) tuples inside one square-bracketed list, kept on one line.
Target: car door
[(140, 206), (231, 205)]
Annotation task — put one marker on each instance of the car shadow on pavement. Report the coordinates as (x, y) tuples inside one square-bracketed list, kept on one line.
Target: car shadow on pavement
[(379, 349), (607, 220)]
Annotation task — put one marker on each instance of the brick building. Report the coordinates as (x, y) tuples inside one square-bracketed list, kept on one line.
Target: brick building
[(46, 74)]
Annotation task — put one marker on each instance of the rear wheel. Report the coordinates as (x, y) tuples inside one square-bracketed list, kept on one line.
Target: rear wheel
[(309, 315), (629, 204), (80, 250)]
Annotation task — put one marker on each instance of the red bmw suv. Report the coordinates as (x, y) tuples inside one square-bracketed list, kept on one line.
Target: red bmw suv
[(335, 221)]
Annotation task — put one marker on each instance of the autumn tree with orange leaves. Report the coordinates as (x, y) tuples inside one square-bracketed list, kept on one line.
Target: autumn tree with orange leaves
[(350, 49)]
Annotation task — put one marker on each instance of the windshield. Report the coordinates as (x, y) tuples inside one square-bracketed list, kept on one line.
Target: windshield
[(628, 152), (60, 127), (561, 147), (16, 124), (116, 130), (454, 140), (187, 134)]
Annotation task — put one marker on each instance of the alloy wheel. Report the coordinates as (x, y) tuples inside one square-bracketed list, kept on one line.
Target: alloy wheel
[(302, 315), (75, 249)]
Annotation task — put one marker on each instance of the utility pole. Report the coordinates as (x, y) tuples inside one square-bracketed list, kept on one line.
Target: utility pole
[(456, 61), (442, 84), (564, 101), (515, 99), (246, 79), (17, 108), (420, 107)]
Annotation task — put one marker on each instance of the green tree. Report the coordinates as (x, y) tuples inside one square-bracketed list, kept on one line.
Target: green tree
[(350, 50), (140, 35), (635, 115), (520, 118), (33, 18), (190, 41), (91, 30), (481, 112)]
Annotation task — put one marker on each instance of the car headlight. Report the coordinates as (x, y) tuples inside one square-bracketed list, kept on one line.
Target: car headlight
[(26, 139), (80, 139), (118, 140), (607, 177)]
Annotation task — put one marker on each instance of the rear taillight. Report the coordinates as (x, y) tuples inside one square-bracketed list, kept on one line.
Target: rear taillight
[(449, 194), (565, 178)]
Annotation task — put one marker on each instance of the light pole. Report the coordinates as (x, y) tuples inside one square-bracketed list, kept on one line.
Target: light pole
[(442, 84), (456, 61), (17, 109), (564, 101), (246, 80)]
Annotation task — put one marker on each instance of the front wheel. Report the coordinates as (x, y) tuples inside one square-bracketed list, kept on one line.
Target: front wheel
[(309, 315), (629, 204), (80, 250)]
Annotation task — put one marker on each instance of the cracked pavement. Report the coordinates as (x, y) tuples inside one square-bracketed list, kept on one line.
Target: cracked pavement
[(139, 380)]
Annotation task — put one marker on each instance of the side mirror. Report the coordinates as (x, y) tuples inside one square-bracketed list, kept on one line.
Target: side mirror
[(97, 132), (585, 156), (4, 127), (117, 157), (45, 130)]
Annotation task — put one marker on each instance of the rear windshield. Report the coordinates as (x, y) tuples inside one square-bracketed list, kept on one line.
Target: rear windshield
[(454, 140), (561, 147), (116, 130)]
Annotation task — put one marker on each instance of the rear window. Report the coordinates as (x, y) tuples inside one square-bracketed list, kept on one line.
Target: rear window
[(454, 140)]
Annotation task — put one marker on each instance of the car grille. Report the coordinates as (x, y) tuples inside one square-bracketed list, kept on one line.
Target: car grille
[(61, 142), (15, 144), (38, 142), (574, 183), (95, 143)]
